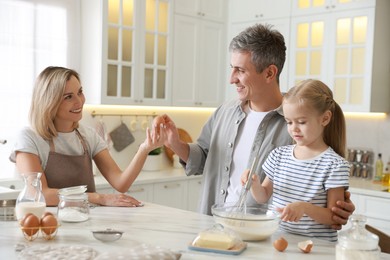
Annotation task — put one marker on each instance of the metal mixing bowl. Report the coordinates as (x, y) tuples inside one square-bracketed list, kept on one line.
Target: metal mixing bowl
[(107, 235), (251, 223)]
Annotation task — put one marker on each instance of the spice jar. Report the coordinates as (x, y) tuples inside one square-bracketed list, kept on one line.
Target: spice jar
[(357, 242), (73, 205)]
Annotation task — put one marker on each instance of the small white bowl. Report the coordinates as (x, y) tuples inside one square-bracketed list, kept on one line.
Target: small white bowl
[(107, 235)]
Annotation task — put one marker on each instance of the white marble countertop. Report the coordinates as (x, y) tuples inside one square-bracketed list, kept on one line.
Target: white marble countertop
[(154, 226)]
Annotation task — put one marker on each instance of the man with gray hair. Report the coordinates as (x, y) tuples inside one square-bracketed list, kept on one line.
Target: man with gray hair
[(238, 130)]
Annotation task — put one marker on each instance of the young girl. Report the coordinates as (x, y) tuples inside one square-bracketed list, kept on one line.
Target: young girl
[(307, 178), (62, 150)]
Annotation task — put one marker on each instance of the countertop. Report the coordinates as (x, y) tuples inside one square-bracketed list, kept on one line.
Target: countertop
[(368, 187), (155, 227)]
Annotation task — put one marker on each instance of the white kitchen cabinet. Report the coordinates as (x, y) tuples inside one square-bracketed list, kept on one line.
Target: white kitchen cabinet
[(209, 9), (258, 10), (344, 49), (304, 7), (198, 62), (376, 209), (172, 194), (142, 192), (193, 192), (105, 190), (126, 51)]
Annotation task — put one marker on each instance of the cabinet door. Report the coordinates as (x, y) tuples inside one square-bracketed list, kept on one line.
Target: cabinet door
[(198, 62), (141, 192), (185, 60), (172, 194), (105, 190), (309, 48), (209, 83), (309, 7), (375, 209), (351, 59), (136, 37), (207, 9), (194, 189), (254, 10), (213, 9)]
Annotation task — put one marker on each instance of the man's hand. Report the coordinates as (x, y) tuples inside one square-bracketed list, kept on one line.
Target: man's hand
[(342, 211)]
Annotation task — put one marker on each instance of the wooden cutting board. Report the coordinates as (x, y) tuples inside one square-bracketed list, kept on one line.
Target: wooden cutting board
[(184, 136)]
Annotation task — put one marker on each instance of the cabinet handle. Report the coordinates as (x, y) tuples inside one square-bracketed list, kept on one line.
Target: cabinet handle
[(171, 186), (137, 190), (3, 141)]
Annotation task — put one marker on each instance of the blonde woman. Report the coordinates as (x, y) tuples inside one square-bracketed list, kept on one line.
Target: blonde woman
[(63, 150)]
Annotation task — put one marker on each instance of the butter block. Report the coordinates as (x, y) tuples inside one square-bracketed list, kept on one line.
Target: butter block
[(214, 240)]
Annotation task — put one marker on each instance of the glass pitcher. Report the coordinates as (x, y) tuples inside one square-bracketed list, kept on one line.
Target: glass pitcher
[(357, 243), (30, 199)]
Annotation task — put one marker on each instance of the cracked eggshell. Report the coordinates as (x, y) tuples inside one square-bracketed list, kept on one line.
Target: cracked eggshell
[(305, 246)]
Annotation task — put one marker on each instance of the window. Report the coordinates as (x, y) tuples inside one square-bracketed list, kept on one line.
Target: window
[(34, 34)]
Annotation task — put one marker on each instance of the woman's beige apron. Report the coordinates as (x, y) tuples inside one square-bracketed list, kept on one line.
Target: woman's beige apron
[(64, 171)]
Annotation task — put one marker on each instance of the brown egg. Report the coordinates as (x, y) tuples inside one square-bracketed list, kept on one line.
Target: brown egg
[(157, 121), (21, 221), (49, 224), (30, 224), (305, 246), (280, 244), (46, 214)]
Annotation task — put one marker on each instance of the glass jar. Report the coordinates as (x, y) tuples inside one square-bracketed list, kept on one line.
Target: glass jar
[(357, 243), (30, 199), (73, 207)]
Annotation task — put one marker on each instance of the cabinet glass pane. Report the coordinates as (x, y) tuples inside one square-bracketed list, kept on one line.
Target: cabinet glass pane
[(149, 48), (113, 43), (317, 34), (315, 63), (128, 12), (303, 35), (112, 73), (301, 64), (356, 91), (359, 29), (150, 15), (343, 33), (126, 82), (341, 62), (317, 3), (358, 61), (162, 50), (113, 11), (340, 91), (148, 83), (127, 45), (303, 4), (163, 17), (344, 1), (161, 84)]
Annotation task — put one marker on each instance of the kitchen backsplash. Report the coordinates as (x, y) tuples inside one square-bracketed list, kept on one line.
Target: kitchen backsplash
[(366, 133)]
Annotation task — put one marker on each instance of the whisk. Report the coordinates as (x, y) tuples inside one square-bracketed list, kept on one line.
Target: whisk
[(242, 199)]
